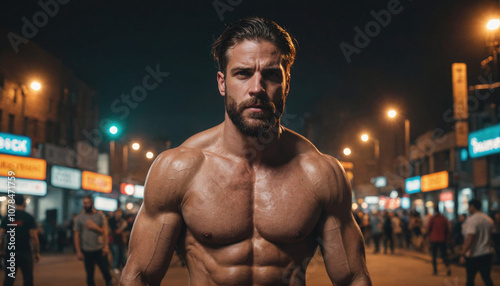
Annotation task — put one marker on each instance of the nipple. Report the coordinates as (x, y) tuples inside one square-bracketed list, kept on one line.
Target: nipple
[(298, 234), (207, 235)]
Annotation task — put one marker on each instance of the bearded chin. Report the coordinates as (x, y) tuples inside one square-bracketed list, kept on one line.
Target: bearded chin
[(263, 122)]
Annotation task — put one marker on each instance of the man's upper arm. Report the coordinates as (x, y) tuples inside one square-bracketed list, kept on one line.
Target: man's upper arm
[(159, 221), (342, 242)]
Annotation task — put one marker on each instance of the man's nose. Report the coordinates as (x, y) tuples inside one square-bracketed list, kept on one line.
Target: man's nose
[(257, 85)]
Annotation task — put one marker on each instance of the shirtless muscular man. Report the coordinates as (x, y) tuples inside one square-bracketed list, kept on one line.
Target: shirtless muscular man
[(247, 202)]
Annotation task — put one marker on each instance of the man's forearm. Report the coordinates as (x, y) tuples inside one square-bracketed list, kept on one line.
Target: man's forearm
[(36, 244)]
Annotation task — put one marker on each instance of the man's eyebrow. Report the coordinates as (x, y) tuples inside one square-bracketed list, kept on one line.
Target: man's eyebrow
[(240, 69)]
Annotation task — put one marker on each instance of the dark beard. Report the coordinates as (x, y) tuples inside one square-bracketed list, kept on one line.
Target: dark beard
[(88, 210), (267, 120)]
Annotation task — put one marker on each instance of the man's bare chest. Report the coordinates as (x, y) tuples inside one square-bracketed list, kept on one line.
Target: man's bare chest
[(229, 205)]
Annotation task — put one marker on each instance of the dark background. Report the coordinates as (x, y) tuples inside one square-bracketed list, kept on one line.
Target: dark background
[(407, 65)]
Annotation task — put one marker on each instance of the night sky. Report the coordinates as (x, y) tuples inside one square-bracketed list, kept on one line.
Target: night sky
[(406, 64)]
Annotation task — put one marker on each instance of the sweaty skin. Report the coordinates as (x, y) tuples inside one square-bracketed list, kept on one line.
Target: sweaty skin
[(246, 211)]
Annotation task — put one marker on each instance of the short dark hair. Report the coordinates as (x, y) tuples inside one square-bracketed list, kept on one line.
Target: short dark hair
[(475, 203), (254, 29), (19, 199)]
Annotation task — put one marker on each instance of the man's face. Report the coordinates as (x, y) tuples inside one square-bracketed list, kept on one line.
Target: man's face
[(87, 205), (254, 86)]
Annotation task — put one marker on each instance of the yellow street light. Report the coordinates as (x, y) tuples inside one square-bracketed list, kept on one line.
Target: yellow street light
[(136, 146), (364, 137), (392, 113), (493, 24), (347, 151), (36, 85), (149, 155)]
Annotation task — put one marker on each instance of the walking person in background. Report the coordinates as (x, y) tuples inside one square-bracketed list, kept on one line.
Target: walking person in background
[(25, 232), (496, 235), (91, 241), (117, 226), (477, 252), (388, 232), (376, 226), (397, 229), (438, 231), (416, 231), (456, 232), (405, 225)]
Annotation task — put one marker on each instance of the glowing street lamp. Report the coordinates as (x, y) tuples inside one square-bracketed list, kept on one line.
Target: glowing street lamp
[(35, 85), (392, 113), (365, 137), (347, 151), (136, 146), (493, 24), (149, 155)]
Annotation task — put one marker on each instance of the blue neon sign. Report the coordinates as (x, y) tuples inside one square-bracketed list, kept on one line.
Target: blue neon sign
[(484, 142), (412, 185), (15, 144)]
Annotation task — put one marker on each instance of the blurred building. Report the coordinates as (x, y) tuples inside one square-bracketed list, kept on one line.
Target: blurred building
[(52, 141), (44, 101)]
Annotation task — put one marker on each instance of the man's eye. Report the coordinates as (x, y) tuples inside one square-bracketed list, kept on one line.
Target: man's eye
[(243, 73), (273, 76)]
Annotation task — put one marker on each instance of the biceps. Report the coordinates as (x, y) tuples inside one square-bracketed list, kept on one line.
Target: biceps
[(152, 244)]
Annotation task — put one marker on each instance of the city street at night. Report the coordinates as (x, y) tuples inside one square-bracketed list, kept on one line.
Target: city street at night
[(401, 268), (247, 133)]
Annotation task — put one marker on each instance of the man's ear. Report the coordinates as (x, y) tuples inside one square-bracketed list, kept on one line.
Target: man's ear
[(221, 83), (287, 85)]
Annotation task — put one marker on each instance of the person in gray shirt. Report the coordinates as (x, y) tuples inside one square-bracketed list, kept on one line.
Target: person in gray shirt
[(477, 250), (91, 241)]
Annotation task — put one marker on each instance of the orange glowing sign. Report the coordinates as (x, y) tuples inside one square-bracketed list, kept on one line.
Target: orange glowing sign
[(435, 181), (23, 167), (96, 182)]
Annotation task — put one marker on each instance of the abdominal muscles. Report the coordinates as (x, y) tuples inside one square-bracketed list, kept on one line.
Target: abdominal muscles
[(252, 261)]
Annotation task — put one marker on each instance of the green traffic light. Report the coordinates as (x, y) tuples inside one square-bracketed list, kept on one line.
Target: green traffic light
[(113, 129)]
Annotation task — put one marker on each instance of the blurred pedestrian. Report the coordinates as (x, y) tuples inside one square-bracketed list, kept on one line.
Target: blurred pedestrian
[(117, 226), (438, 232), (416, 231), (405, 225), (397, 229), (388, 232), (496, 235), (91, 241), (23, 229), (376, 226), (477, 250), (457, 235)]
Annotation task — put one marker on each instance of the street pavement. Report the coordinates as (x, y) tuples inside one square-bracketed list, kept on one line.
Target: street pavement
[(402, 268)]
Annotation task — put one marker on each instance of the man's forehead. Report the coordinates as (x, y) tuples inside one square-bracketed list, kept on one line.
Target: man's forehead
[(248, 52)]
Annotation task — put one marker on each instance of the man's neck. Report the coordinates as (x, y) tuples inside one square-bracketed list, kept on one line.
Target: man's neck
[(254, 149), (21, 208)]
